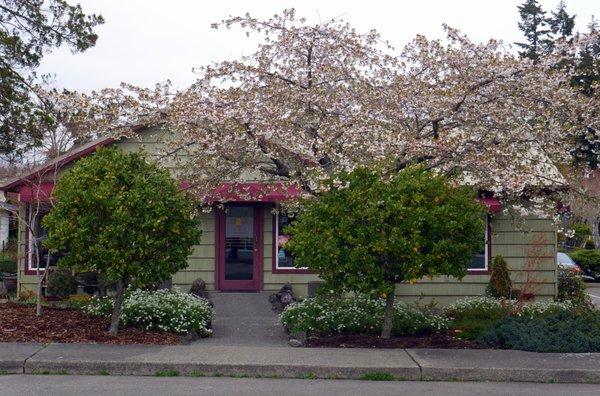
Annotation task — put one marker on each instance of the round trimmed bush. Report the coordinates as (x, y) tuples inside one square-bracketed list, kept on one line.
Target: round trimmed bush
[(587, 259), (61, 283), (7, 266), (500, 284)]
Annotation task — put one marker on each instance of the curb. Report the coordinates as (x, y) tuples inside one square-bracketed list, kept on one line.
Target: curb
[(303, 371), (214, 370), (419, 364), (11, 366), (576, 376)]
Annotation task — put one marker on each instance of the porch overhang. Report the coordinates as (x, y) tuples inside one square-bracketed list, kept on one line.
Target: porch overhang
[(36, 193), (493, 204)]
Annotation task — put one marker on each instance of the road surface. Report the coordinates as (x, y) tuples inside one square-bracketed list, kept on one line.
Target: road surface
[(593, 289), (50, 385)]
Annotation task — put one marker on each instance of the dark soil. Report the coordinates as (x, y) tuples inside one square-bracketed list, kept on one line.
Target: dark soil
[(18, 323), (445, 339)]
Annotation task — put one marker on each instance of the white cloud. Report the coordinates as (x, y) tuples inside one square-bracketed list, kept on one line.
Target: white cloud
[(146, 41)]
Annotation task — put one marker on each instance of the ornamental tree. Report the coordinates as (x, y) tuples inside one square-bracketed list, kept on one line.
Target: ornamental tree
[(372, 230), (317, 99), (120, 215)]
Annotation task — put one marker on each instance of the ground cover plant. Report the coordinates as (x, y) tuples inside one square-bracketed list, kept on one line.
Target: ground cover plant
[(358, 314), (471, 317), (164, 310), (562, 331), (572, 288)]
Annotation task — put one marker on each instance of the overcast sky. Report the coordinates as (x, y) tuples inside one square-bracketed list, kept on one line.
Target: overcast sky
[(147, 41)]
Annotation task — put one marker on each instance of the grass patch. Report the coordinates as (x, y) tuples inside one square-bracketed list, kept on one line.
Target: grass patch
[(471, 328), (48, 372), (239, 375), (308, 376), (378, 376), (197, 374), (103, 372), (167, 373)]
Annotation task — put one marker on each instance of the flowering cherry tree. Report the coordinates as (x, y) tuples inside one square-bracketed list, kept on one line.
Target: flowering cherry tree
[(314, 100)]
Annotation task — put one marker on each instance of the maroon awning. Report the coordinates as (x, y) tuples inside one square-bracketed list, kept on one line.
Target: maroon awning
[(41, 192), (493, 204)]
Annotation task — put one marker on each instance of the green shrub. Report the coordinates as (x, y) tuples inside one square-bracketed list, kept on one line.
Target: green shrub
[(559, 332), (582, 232), (471, 316), (8, 265), (500, 284), (589, 244), (164, 310), (61, 283), (572, 288), (419, 225), (357, 314), (124, 216), (588, 259)]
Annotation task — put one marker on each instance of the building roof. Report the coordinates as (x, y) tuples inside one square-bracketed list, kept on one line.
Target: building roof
[(58, 162)]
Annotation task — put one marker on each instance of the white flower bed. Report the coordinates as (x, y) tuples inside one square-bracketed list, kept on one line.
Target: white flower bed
[(528, 308), (164, 310), (356, 314)]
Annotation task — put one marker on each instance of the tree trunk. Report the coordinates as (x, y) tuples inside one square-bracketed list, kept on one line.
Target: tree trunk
[(40, 279), (116, 315), (386, 332), (38, 301)]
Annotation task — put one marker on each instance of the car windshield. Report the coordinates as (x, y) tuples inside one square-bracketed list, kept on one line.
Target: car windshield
[(563, 258)]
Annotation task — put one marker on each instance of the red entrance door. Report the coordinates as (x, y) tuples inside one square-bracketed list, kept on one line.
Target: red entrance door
[(239, 247)]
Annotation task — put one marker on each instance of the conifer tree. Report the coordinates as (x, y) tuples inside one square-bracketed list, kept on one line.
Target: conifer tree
[(561, 23), (536, 28)]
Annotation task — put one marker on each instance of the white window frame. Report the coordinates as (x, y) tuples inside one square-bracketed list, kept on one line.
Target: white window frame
[(276, 242), (486, 248), (30, 244)]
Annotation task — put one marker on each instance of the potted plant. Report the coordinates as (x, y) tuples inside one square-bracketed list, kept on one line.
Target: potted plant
[(8, 273)]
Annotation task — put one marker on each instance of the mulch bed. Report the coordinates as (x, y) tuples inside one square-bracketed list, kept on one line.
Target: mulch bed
[(445, 339), (18, 323)]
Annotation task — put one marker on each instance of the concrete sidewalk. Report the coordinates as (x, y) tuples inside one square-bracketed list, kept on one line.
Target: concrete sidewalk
[(212, 360), (245, 319)]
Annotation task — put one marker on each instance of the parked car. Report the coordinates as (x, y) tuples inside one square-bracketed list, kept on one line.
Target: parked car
[(565, 262)]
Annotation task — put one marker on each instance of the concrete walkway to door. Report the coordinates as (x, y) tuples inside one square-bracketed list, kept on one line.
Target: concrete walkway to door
[(244, 319)]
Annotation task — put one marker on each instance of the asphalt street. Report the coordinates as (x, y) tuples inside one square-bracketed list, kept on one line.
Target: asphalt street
[(64, 385), (594, 292)]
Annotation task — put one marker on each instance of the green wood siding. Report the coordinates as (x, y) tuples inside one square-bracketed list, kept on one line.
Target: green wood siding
[(529, 247), (532, 264)]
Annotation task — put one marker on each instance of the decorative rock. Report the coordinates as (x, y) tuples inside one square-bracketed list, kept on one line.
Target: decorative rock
[(198, 289), (295, 343), (192, 335), (283, 298)]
